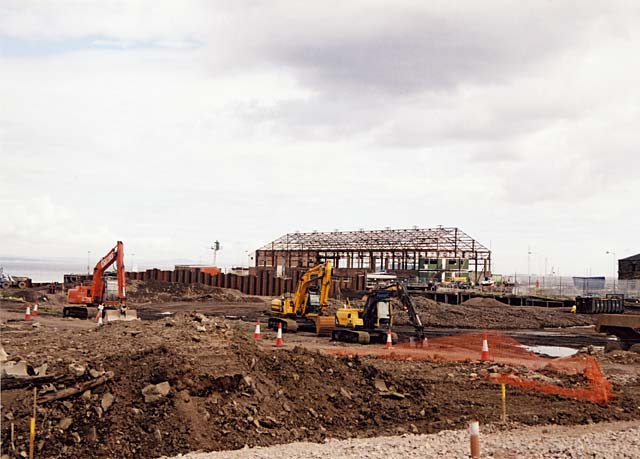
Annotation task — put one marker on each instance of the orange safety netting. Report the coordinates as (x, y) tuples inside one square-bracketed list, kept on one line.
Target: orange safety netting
[(505, 350)]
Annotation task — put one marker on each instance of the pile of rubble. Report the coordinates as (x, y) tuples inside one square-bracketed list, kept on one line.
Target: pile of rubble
[(160, 292), (147, 389), (488, 313)]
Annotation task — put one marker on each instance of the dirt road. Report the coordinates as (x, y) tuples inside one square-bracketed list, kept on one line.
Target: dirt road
[(619, 440)]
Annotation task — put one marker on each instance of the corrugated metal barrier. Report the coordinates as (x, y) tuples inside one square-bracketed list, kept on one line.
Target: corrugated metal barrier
[(263, 283)]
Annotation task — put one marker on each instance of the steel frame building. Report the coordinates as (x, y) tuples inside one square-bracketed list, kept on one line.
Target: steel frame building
[(388, 249)]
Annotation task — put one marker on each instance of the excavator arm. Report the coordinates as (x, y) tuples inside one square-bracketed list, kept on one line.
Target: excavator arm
[(400, 291), (115, 255), (408, 304), (300, 298)]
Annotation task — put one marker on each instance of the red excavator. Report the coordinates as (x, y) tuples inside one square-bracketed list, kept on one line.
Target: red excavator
[(106, 289)]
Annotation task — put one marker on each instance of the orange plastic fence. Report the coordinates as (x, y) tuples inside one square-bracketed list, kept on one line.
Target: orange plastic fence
[(503, 349)]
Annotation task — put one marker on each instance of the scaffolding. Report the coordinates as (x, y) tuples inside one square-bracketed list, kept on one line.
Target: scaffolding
[(377, 250)]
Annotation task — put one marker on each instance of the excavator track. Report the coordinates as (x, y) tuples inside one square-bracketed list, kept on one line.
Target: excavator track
[(350, 336)]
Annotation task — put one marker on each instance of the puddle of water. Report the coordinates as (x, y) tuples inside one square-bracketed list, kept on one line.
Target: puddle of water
[(552, 351), (166, 313)]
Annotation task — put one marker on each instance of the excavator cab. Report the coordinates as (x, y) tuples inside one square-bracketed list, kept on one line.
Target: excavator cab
[(313, 300), (382, 317)]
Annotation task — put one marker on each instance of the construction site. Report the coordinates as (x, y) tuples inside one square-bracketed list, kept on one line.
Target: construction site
[(365, 342)]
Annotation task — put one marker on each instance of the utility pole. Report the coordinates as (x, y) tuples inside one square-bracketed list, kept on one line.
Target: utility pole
[(529, 268), (613, 271), (560, 277)]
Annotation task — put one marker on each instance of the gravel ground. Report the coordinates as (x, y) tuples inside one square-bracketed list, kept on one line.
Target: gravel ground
[(602, 441)]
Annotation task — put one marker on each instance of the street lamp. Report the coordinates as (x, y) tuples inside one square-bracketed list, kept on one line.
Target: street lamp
[(529, 268), (613, 272), (215, 247), (88, 262)]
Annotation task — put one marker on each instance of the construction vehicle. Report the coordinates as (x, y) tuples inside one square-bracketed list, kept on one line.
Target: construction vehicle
[(307, 310), (611, 304), (106, 289), (625, 326), (7, 281), (372, 322)]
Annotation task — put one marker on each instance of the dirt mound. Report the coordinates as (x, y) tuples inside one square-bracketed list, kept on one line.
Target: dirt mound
[(147, 389), (489, 313), (225, 392), (485, 302), (139, 292)]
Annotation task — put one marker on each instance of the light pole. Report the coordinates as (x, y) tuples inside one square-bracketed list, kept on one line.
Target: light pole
[(215, 247), (613, 272), (88, 262), (529, 268)]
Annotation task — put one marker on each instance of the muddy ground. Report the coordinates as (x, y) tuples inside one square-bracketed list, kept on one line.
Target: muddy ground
[(155, 300), (225, 391)]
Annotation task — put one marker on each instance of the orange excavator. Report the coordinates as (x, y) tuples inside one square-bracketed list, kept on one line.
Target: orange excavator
[(106, 289)]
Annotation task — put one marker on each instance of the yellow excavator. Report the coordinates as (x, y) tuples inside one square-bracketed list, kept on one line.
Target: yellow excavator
[(307, 310), (370, 323)]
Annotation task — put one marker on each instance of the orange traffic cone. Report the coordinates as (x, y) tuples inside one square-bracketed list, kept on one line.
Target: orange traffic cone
[(35, 309), (256, 334), (27, 313), (279, 341), (485, 349), (389, 344)]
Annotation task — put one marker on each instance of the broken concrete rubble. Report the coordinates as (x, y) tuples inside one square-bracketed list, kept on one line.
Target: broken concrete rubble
[(154, 392)]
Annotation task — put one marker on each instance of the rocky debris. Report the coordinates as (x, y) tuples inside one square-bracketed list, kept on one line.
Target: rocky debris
[(107, 401), (225, 391), (95, 373), (77, 369), (21, 369), (65, 423), (159, 291), (488, 313), (606, 441), (154, 392), (380, 385), (200, 317)]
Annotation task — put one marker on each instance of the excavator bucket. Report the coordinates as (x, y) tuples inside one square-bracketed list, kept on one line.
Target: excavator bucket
[(114, 315), (324, 325)]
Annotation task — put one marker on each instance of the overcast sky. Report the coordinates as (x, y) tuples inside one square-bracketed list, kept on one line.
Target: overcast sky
[(170, 124)]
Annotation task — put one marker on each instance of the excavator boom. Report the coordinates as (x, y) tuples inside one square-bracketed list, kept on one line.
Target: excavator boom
[(115, 255), (96, 293), (308, 306)]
